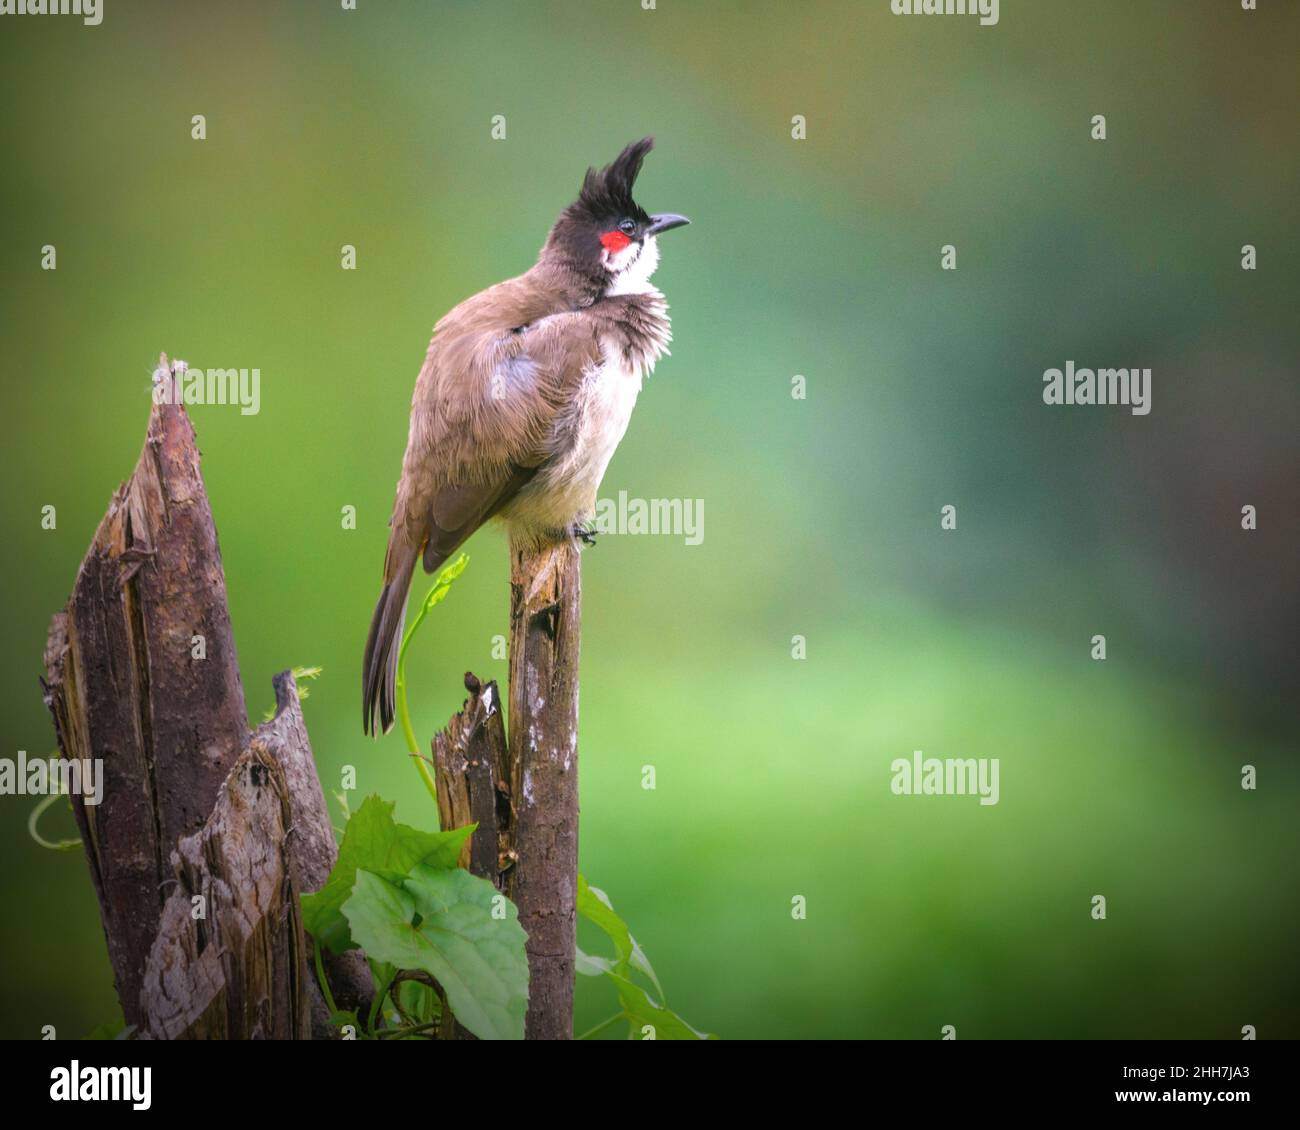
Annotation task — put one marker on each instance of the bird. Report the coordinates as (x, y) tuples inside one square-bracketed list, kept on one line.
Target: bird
[(526, 391)]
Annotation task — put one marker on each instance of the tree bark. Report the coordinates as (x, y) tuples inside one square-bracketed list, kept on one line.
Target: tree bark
[(192, 806), (472, 770), (124, 689), (523, 793), (545, 617), (311, 850), (229, 961)]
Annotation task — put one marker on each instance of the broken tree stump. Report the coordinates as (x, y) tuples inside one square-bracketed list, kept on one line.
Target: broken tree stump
[(142, 676), (472, 770), (123, 686), (311, 848), (229, 961)]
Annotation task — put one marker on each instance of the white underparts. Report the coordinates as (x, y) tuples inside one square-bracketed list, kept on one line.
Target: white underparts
[(564, 491)]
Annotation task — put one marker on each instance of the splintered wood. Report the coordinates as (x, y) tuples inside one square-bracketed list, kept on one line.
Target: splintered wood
[(204, 833)]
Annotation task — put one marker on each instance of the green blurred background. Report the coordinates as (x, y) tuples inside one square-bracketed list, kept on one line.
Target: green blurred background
[(820, 258)]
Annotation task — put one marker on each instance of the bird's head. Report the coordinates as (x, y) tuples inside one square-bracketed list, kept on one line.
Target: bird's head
[(605, 234)]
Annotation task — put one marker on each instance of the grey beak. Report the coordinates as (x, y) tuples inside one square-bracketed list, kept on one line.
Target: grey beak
[(666, 222)]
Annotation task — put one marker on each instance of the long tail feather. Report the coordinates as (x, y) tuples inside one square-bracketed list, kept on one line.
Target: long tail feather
[(384, 643)]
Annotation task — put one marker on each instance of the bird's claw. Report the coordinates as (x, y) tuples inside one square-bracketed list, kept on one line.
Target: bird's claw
[(585, 534)]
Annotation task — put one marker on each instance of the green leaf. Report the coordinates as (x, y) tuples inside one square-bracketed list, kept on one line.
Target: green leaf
[(642, 1010), (381, 976), (639, 1007), (589, 965), (441, 921), (372, 841), (594, 905)]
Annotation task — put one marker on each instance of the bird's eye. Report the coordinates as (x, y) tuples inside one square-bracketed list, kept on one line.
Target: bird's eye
[(627, 227)]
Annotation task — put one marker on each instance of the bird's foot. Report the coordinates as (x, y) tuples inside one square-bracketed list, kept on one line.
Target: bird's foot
[(584, 534)]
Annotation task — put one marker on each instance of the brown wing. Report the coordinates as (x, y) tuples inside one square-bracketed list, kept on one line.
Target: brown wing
[(457, 511), (483, 411)]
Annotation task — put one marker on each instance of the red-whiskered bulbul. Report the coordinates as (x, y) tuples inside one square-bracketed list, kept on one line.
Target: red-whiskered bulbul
[(525, 392)]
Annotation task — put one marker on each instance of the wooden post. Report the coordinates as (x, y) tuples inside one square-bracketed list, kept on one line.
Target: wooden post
[(545, 618), (523, 792)]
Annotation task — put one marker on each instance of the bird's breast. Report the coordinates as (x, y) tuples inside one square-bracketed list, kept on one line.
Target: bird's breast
[(596, 424), (588, 429)]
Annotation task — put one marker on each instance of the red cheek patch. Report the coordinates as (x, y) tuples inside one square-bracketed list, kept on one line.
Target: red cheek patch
[(614, 241)]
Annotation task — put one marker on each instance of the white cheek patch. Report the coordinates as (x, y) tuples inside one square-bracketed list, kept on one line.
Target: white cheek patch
[(632, 271), (618, 261)]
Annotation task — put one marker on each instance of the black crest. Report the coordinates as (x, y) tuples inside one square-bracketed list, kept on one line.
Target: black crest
[(607, 192)]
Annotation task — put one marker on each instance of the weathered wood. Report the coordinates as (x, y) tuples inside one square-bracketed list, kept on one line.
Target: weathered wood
[(128, 683), (523, 792), (545, 616), (472, 770), (124, 688), (471, 767), (229, 960), (311, 848)]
